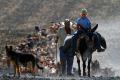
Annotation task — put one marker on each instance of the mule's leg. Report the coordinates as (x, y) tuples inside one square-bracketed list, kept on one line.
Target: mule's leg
[(89, 61), (78, 62), (79, 70), (84, 67), (84, 58)]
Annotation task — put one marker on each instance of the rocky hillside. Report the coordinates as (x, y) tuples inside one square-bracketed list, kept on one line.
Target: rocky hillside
[(27, 13), (18, 17)]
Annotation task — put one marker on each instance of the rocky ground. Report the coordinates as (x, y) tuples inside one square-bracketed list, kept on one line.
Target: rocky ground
[(4, 75)]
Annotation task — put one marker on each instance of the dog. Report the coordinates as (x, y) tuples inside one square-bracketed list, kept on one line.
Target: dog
[(19, 58)]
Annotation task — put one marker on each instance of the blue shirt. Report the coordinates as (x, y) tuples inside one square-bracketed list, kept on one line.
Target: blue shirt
[(84, 22)]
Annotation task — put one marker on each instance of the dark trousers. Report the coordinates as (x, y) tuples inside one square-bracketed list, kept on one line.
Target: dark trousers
[(66, 61), (69, 61), (62, 60)]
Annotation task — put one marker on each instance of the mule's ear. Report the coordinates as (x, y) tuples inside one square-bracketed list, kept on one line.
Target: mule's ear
[(11, 47), (94, 29)]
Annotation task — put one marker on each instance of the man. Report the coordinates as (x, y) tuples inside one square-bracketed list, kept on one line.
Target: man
[(65, 60), (83, 26)]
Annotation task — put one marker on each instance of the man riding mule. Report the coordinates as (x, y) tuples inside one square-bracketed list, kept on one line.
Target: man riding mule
[(84, 25), (84, 41), (85, 45)]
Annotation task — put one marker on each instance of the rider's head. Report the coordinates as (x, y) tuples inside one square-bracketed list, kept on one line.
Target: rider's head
[(83, 12)]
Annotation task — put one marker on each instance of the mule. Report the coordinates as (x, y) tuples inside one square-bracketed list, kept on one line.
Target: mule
[(85, 48)]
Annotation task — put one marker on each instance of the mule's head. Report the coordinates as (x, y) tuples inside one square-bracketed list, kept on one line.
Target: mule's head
[(89, 37)]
